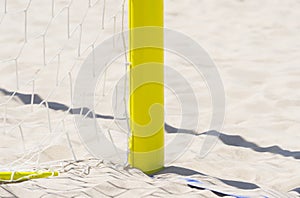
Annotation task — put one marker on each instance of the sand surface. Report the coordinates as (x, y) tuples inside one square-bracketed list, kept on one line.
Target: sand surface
[(255, 47)]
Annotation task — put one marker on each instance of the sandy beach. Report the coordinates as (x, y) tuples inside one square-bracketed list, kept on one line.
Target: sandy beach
[(255, 48)]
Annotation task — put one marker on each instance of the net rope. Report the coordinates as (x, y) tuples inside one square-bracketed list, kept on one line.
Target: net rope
[(28, 157)]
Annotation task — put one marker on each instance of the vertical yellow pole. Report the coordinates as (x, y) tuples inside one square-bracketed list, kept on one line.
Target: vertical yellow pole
[(146, 144)]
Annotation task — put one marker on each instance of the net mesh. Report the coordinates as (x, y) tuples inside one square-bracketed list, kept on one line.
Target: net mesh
[(43, 46)]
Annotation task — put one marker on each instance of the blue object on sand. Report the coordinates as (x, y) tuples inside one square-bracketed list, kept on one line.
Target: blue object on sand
[(193, 183)]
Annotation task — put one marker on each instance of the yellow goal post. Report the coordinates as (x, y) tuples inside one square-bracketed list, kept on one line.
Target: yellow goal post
[(146, 108)]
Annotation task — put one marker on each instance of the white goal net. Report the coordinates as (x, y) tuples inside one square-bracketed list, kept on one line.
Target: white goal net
[(43, 44)]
